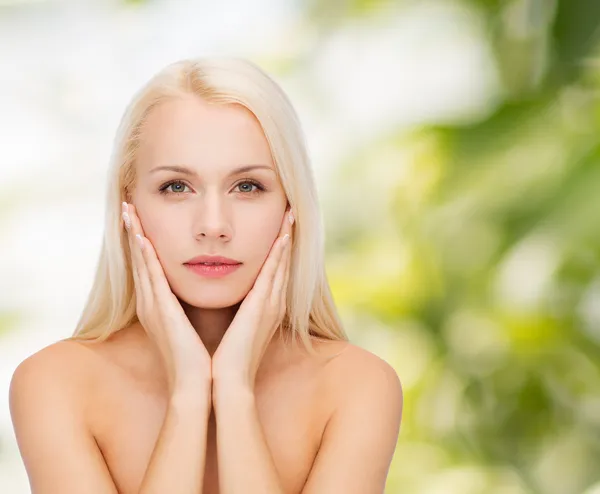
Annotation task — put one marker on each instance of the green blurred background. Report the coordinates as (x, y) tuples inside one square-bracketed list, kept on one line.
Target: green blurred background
[(461, 213)]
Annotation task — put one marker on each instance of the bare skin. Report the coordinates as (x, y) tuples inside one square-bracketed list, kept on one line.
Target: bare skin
[(97, 409), (134, 414), (128, 406)]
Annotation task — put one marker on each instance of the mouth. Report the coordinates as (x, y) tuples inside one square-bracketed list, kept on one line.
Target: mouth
[(212, 269), (212, 260)]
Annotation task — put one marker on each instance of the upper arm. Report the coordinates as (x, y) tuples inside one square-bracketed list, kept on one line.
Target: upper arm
[(361, 436), (58, 451)]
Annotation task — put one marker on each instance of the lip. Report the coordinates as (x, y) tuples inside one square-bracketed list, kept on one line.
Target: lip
[(219, 259), (216, 271)]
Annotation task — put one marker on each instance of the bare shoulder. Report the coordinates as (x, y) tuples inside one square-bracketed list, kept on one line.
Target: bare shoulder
[(75, 367), (48, 405), (354, 372), (65, 368), (362, 427), (360, 364), (65, 361)]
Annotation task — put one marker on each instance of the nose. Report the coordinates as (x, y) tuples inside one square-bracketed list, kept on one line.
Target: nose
[(212, 220)]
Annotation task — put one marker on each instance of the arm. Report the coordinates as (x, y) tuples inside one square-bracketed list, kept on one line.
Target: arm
[(245, 462), (360, 438), (177, 462), (357, 446), (60, 453)]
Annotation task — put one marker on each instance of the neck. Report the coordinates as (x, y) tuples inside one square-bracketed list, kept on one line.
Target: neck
[(210, 324)]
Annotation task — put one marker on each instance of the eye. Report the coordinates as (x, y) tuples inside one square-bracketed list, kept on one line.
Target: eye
[(178, 183), (248, 185)]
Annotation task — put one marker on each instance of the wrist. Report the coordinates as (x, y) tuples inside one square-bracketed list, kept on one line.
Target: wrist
[(184, 383), (191, 396), (231, 392)]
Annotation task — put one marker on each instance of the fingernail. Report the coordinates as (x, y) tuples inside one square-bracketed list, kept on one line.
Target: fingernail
[(291, 218), (140, 240), (286, 239), (124, 207), (126, 220)]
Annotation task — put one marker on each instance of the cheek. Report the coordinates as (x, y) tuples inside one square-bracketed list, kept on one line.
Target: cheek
[(161, 232), (258, 235)]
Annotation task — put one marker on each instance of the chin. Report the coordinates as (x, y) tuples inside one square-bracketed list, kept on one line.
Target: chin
[(211, 298)]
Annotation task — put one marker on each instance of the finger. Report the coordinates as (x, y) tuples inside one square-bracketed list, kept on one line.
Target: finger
[(288, 268), (283, 298), (158, 280), (288, 222), (278, 285), (264, 281), (143, 280), (156, 275), (265, 278), (131, 260)]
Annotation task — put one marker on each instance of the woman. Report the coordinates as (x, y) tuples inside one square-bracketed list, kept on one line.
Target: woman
[(184, 376)]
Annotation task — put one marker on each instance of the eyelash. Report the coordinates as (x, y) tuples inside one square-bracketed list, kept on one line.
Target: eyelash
[(260, 188)]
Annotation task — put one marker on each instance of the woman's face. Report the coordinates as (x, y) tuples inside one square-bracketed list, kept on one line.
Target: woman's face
[(212, 209)]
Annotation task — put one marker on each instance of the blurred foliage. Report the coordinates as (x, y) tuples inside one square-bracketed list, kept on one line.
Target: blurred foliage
[(476, 271), (471, 259), (9, 320)]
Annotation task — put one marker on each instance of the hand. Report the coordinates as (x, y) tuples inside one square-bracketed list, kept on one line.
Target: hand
[(186, 359), (236, 360)]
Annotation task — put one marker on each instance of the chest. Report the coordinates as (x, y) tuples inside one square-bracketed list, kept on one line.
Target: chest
[(290, 410)]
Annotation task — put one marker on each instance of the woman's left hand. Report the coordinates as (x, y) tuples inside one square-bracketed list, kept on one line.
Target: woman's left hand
[(238, 356)]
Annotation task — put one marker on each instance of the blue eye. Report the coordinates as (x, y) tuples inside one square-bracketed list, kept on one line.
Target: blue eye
[(163, 189), (181, 187), (259, 187)]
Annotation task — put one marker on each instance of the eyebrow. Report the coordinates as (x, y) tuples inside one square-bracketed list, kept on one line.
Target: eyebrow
[(188, 171)]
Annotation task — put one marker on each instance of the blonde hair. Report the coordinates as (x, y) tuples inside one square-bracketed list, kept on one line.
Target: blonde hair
[(310, 310)]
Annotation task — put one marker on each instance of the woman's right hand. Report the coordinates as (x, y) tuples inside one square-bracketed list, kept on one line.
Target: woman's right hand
[(186, 359)]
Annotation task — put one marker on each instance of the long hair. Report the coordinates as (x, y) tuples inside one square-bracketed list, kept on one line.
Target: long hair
[(310, 310)]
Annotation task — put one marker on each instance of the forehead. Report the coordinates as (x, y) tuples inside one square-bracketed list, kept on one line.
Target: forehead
[(191, 131)]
